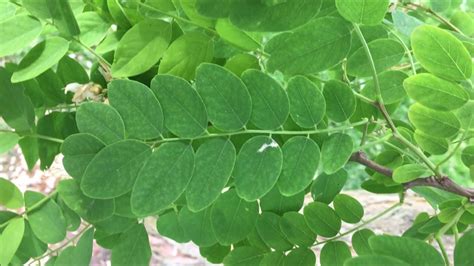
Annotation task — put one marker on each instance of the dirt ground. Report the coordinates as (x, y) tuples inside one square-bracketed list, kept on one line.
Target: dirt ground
[(168, 252)]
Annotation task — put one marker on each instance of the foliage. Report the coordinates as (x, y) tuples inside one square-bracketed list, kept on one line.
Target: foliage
[(218, 118)]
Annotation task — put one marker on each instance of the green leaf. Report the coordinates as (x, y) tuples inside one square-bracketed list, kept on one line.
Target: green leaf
[(7, 10), (326, 187), (275, 202), (340, 101), (198, 226), (435, 93), (465, 114), (114, 169), (185, 54), (273, 259), (336, 151), (307, 104), (405, 23), (138, 107), (409, 250), (409, 172), (348, 208), (31, 246), (91, 210), (133, 247), (440, 5), (230, 33), (93, 28), (463, 249), (467, 156), (100, 120), (360, 241), (315, 47), (8, 140), (321, 219), (163, 178), (62, 17), (385, 54), (10, 196), (430, 144), (233, 218), (226, 98), (268, 227), (375, 260), (300, 257), (294, 227), (168, 225), (367, 12), (79, 150), (15, 107), (245, 255), (80, 254), (214, 162), (257, 168), (279, 17), (241, 62), (184, 112), (40, 58), (214, 254), (47, 221), (391, 87), (10, 239), (335, 253), (441, 53), (213, 9), (71, 71), (300, 161), (141, 48), (270, 104), (435, 123), (17, 33)]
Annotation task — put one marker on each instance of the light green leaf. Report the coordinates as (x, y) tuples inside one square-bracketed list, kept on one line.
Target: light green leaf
[(405, 23), (300, 162), (283, 16), (100, 120), (410, 250), (8, 140), (440, 5), (385, 53), (307, 104), (47, 222), (80, 254), (340, 101), (257, 168), (315, 47), (348, 208), (30, 245), (367, 12), (185, 54), (10, 239), (7, 10), (198, 226), (141, 47), (37, 8), (213, 9), (17, 33), (10, 196), (463, 249), (294, 227), (435, 123), (215, 254), (467, 156), (40, 58), (91, 210), (133, 247), (375, 260), (326, 187), (441, 53), (268, 227), (300, 257), (93, 28), (360, 241), (409, 172), (226, 98), (168, 225), (189, 8), (241, 62), (275, 202), (335, 253), (336, 151), (233, 218), (248, 256), (391, 87), (184, 111), (321, 219), (465, 114), (113, 171), (270, 104), (232, 34), (214, 162), (62, 17), (138, 107), (163, 178), (435, 93), (79, 150), (430, 144)]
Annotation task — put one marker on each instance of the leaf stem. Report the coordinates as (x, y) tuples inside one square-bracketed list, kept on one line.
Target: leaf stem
[(443, 250)]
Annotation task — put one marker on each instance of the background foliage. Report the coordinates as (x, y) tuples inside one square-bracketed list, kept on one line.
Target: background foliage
[(219, 117)]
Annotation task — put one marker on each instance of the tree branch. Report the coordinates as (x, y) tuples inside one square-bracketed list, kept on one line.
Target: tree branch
[(443, 183)]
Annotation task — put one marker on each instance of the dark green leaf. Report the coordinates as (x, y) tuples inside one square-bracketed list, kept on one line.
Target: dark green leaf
[(275, 202), (326, 187), (336, 151), (294, 227), (322, 219), (133, 247), (268, 227), (348, 208), (168, 225), (307, 104), (79, 150), (248, 256), (300, 257), (198, 226), (335, 253), (80, 254), (62, 17), (340, 101), (375, 260)]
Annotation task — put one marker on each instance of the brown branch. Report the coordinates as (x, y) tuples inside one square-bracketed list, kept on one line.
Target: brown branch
[(443, 183)]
